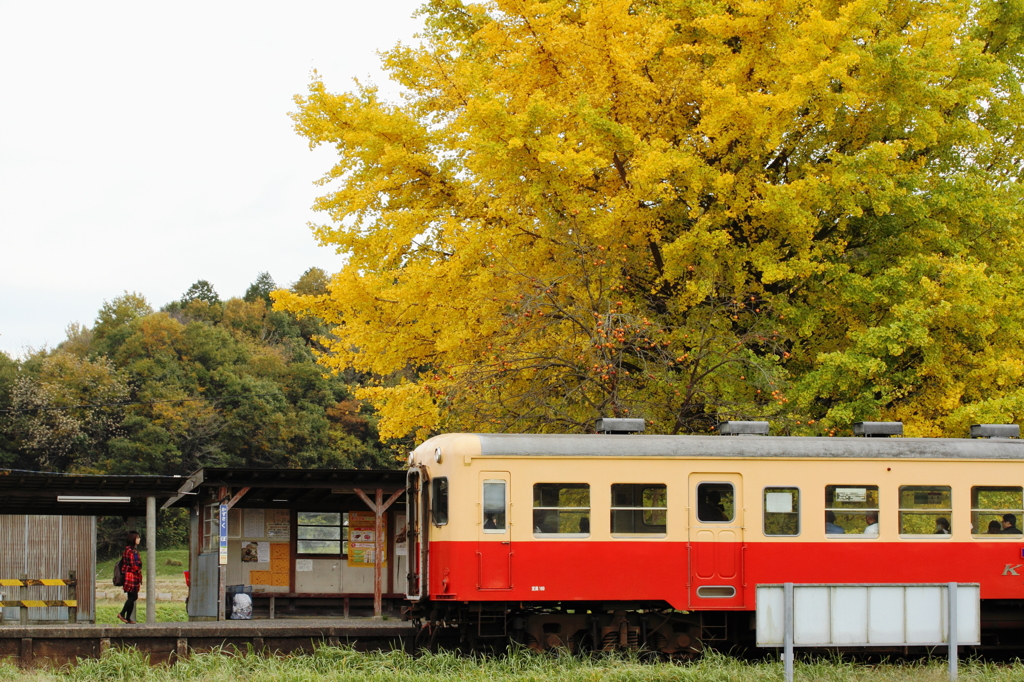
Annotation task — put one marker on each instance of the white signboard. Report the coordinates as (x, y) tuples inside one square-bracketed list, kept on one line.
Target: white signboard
[(868, 615)]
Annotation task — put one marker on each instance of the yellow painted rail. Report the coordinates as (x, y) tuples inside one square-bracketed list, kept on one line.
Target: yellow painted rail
[(24, 604), (36, 582)]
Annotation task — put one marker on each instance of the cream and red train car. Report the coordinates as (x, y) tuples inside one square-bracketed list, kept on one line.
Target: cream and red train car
[(608, 540)]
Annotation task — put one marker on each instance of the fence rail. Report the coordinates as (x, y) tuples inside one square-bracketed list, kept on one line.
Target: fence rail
[(37, 582), (24, 604)]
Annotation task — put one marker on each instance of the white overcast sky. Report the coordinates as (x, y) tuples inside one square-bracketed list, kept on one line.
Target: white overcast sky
[(147, 146)]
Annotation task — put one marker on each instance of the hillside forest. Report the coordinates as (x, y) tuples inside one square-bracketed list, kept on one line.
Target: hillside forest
[(200, 382)]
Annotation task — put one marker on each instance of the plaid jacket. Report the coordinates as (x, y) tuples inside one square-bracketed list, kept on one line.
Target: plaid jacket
[(131, 564)]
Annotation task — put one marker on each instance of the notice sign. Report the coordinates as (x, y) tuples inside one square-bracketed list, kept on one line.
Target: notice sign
[(223, 535), (279, 524), (361, 534), (851, 495)]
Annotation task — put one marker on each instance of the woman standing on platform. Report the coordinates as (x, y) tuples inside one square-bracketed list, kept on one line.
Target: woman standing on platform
[(131, 566)]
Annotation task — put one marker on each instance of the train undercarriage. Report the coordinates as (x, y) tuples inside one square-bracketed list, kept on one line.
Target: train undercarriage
[(580, 628)]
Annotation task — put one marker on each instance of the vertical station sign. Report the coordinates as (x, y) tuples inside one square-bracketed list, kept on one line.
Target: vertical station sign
[(223, 535)]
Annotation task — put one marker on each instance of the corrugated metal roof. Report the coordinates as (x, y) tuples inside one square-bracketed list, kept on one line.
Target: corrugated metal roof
[(289, 488), (36, 492)]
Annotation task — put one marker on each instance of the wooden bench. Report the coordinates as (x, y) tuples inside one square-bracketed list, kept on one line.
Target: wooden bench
[(345, 598)]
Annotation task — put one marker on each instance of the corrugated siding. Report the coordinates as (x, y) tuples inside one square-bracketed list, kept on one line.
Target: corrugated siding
[(49, 547)]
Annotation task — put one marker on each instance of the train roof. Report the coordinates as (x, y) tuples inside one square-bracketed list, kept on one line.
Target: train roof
[(569, 445)]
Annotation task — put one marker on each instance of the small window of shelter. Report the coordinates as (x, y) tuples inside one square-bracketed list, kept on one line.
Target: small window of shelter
[(781, 511), (494, 516), (211, 528), (854, 510), (561, 508), (716, 502), (639, 508), (321, 533), (925, 510), (996, 510)]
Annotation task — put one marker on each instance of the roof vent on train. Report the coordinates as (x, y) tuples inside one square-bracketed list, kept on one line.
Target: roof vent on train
[(620, 425), (732, 428), (878, 429), (995, 431)]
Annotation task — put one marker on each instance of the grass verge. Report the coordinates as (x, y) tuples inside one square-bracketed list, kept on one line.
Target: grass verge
[(177, 557), (342, 664), (166, 612)]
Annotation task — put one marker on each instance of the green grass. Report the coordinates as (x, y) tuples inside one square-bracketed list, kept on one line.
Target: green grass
[(166, 612), (105, 569), (342, 664)]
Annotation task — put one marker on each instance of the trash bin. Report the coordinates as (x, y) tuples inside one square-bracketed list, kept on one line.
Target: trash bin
[(238, 609)]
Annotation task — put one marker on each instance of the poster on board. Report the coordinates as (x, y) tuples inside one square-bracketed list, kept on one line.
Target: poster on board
[(401, 541), (361, 533), (279, 523)]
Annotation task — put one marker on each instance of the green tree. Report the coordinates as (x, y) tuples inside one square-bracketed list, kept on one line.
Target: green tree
[(201, 291), (683, 211), (314, 282), (261, 288)]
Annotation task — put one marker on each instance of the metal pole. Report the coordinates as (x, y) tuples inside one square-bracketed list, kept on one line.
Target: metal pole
[(787, 651), (954, 654), (150, 560)]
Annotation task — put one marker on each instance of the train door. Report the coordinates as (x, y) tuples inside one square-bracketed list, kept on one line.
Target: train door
[(715, 546), (494, 534), (416, 515)]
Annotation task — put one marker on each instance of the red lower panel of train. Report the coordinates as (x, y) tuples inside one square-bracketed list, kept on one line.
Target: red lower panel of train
[(711, 576)]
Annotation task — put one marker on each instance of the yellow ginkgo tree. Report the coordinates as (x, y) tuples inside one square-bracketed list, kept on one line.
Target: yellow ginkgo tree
[(683, 210)]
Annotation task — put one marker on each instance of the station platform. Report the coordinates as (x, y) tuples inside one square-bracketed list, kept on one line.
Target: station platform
[(60, 644)]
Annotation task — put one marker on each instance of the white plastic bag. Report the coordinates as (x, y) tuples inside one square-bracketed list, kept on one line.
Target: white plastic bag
[(241, 607)]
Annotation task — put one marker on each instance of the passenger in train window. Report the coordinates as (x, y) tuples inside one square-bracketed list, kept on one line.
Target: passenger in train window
[(709, 507), (491, 523), (831, 528), (872, 527), (1010, 525), (994, 528), (941, 526), (585, 525)]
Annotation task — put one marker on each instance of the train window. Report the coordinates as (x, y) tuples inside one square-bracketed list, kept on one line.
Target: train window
[(925, 510), (494, 506), (781, 511), (562, 508), (639, 508), (997, 510), (439, 500), (321, 533), (715, 502), (851, 510)]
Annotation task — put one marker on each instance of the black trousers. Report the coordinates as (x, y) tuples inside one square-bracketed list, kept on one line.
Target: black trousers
[(129, 604)]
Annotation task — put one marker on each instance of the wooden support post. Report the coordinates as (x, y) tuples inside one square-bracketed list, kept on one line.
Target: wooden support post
[(273, 605), (104, 645), (223, 498), (181, 649), (23, 610), (72, 596), (27, 656), (222, 604), (378, 508)]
